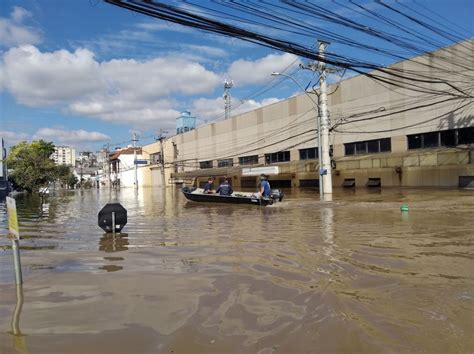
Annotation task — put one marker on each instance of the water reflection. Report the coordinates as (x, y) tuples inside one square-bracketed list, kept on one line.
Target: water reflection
[(327, 222), (19, 339), (111, 243)]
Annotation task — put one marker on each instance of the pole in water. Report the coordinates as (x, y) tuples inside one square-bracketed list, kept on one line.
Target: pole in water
[(17, 312), (17, 262), (113, 222), (14, 233)]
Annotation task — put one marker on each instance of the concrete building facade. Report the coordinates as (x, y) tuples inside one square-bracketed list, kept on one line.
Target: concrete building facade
[(394, 132), (64, 155)]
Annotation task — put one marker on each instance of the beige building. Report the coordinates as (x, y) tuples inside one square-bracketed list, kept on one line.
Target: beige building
[(419, 134), (157, 171), (64, 155)]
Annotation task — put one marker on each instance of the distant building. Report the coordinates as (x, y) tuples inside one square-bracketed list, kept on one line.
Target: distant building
[(86, 159), (64, 155), (122, 167), (185, 122)]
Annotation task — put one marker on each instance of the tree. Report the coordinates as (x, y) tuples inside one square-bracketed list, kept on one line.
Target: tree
[(32, 165), (65, 176)]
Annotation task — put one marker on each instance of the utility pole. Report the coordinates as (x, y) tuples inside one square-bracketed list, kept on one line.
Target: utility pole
[(107, 165), (134, 141), (162, 158), (326, 159), (227, 98), (323, 145), (80, 181)]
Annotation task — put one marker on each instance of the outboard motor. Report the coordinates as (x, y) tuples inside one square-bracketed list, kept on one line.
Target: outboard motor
[(276, 194)]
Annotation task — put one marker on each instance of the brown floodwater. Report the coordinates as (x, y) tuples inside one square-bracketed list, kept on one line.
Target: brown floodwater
[(354, 275)]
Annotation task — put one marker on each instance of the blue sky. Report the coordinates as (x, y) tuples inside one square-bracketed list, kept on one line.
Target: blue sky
[(86, 73)]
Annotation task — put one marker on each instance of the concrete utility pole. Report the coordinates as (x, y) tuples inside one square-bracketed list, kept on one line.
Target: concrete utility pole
[(134, 140), (324, 157), (227, 98), (107, 165), (316, 110), (162, 157)]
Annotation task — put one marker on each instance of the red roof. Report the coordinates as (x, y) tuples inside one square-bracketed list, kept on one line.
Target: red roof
[(126, 151)]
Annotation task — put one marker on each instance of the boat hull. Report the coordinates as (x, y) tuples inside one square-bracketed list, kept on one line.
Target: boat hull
[(216, 198)]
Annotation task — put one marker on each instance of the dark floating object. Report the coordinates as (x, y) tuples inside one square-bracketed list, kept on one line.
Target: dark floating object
[(112, 214), (235, 198)]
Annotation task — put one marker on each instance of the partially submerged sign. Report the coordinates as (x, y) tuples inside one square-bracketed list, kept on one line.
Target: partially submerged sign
[(257, 171), (112, 215), (13, 228)]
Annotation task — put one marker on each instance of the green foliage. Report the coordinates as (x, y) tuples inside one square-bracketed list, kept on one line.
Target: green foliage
[(32, 165), (65, 176)]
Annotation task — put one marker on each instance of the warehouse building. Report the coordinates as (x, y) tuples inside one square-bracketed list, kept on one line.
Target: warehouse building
[(384, 133)]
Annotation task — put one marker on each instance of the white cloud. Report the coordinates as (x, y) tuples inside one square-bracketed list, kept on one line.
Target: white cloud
[(14, 32), (259, 71), (73, 137), (211, 109), (11, 138), (207, 50), (119, 90), (150, 115), (135, 92), (38, 79)]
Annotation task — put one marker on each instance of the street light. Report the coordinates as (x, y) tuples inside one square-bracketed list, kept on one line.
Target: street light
[(316, 108)]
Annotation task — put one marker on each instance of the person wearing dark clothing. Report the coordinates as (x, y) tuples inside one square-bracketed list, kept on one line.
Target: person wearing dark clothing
[(265, 190), (208, 185), (225, 188)]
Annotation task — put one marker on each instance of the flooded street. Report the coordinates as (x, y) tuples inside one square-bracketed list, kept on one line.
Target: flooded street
[(352, 275)]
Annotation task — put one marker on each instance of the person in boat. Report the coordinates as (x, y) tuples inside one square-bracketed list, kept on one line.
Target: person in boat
[(265, 189), (208, 185), (225, 188)]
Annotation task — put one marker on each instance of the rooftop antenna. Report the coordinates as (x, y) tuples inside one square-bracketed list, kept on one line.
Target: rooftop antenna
[(227, 99)]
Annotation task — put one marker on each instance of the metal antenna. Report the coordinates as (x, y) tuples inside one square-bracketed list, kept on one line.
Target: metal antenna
[(227, 98)]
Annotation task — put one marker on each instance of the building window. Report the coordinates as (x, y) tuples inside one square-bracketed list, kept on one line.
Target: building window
[(225, 163), (451, 137), (431, 140), (415, 141), (248, 160), (448, 138), (368, 147), (276, 157), (205, 164), (309, 154), (155, 158), (466, 136), (349, 149)]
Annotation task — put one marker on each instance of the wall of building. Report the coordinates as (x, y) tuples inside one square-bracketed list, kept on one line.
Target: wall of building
[(361, 109), (152, 173), (64, 155)]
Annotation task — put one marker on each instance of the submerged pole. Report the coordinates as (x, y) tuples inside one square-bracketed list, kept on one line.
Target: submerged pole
[(14, 234), (17, 261), (113, 222)]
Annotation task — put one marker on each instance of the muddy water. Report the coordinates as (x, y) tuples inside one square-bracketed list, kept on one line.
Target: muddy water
[(352, 275)]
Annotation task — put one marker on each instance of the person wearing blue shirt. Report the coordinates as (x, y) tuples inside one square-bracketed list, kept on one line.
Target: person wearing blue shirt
[(264, 187), (208, 185), (225, 188)]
